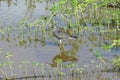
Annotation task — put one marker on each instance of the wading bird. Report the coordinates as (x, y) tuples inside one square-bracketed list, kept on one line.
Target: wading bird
[(62, 35)]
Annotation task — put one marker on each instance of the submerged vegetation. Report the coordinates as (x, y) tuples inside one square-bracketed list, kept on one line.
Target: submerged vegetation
[(91, 17), (116, 63), (94, 22), (61, 70)]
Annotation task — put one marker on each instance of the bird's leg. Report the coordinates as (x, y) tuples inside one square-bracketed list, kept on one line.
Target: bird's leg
[(61, 42), (61, 47)]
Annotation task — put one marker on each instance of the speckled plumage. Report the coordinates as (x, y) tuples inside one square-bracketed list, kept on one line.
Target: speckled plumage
[(61, 34)]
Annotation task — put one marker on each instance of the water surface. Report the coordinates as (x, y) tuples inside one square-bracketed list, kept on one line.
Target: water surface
[(46, 49)]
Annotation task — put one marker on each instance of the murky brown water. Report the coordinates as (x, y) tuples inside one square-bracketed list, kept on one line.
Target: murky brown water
[(80, 51)]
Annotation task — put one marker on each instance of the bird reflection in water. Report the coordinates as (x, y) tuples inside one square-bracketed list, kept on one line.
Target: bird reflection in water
[(68, 55)]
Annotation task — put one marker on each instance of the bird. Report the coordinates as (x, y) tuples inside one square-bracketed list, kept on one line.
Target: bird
[(61, 34)]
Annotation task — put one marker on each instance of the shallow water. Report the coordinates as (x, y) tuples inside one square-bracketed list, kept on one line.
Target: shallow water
[(46, 50)]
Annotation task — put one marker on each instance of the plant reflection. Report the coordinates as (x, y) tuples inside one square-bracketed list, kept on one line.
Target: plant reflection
[(9, 2), (68, 55), (30, 9)]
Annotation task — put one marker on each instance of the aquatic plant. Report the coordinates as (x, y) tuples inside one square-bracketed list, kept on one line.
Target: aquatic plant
[(116, 43), (107, 46), (59, 66), (21, 42), (98, 55), (71, 67), (1, 50), (49, 71), (43, 70), (26, 62), (2, 32), (8, 55), (116, 63), (20, 68), (79, 71), (81, 17), (92, 65), (35, 64), (3, 69)]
